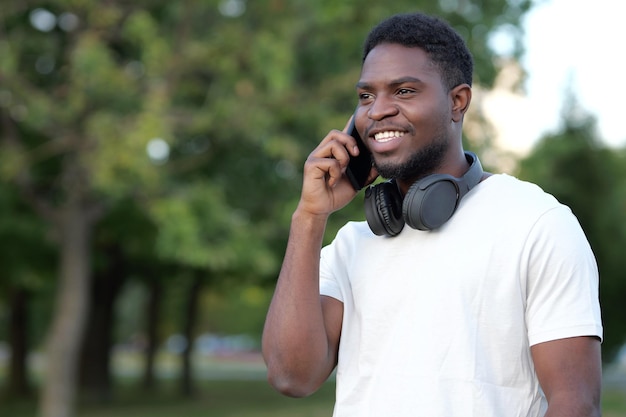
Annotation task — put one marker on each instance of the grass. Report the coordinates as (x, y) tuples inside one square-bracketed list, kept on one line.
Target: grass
[(614, 403), (227, 389), (214, 398), (234, 399)]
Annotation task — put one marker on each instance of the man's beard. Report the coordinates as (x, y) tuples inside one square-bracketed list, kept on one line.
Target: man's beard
[(420, 164)]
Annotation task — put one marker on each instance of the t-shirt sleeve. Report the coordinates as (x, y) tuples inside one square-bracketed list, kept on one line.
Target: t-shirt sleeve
[(329, 285), (562, 280)]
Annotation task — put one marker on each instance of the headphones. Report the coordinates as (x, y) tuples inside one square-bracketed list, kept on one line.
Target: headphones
[(428, 203)]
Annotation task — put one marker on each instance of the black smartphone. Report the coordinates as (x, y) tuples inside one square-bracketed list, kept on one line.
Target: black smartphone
[(359, 166)]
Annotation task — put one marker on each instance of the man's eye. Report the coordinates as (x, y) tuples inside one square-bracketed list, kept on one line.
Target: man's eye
[(403, 91)]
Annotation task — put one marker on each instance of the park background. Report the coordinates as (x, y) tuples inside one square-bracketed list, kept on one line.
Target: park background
[(150, 159)]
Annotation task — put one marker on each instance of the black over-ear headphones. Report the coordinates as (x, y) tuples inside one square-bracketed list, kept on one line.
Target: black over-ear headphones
[(428, 203)]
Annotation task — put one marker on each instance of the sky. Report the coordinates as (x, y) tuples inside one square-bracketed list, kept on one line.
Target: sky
[(575, 45)]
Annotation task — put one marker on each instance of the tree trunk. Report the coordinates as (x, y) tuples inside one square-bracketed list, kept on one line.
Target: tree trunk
[(66, 332), (152, 330), (191, 314), (18, 384), (95, 358)]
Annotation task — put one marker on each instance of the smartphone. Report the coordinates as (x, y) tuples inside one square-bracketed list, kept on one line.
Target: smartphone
[(359, 166)]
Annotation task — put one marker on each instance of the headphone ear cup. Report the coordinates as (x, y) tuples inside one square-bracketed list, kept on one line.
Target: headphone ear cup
[(430, 202), (383, 209)]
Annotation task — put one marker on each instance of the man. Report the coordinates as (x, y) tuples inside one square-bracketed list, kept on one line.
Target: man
[(492, 312)]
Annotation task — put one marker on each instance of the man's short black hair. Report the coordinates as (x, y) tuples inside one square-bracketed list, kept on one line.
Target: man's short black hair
[(445, 47)]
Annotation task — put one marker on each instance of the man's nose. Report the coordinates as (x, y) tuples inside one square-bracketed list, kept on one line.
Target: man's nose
[(381, 108)]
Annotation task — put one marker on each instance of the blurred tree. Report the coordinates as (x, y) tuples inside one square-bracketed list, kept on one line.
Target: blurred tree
[(25, 260), (227, 97), (153, 337), (60, 155), (588, 177), (122, 250)]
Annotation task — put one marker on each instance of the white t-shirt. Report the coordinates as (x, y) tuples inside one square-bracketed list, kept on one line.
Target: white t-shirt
[(440, 323)]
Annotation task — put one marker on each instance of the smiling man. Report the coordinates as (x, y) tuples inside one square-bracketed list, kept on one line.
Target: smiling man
[(486, 305)]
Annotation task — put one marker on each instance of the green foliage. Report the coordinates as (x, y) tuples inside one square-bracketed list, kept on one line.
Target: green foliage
[(197, 228), (25, 256), (239, 311), (239, 97)]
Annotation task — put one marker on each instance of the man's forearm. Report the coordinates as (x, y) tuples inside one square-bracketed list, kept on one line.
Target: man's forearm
[(295, 342)]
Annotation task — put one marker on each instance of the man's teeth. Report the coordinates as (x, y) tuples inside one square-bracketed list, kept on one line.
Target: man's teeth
[(387, 136)]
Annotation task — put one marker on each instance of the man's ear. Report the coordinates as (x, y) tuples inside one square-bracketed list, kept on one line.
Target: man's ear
[(461, 97)]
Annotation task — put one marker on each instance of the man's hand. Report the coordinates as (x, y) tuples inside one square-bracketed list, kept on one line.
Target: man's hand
[(326, 188)]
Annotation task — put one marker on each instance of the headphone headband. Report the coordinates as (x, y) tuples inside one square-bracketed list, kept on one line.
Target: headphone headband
[(473, 175)]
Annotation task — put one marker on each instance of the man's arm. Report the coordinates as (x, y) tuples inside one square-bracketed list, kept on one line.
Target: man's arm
[(302, 328), (570, 374)]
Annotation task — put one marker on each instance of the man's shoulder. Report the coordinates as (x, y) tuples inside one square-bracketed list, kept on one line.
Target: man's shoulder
[(355, 229), (513, 189), (511, 199)]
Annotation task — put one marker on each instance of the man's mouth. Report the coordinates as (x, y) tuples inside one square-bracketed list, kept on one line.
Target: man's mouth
[(387, 136)]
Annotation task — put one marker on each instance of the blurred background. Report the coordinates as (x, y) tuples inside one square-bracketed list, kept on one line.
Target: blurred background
[(151, 156)]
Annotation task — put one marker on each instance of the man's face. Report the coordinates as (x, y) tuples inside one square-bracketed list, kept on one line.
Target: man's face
[(404, 113)]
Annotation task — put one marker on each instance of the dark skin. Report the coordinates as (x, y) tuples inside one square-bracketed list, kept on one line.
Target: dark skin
[(404, 109), (570, 374)]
